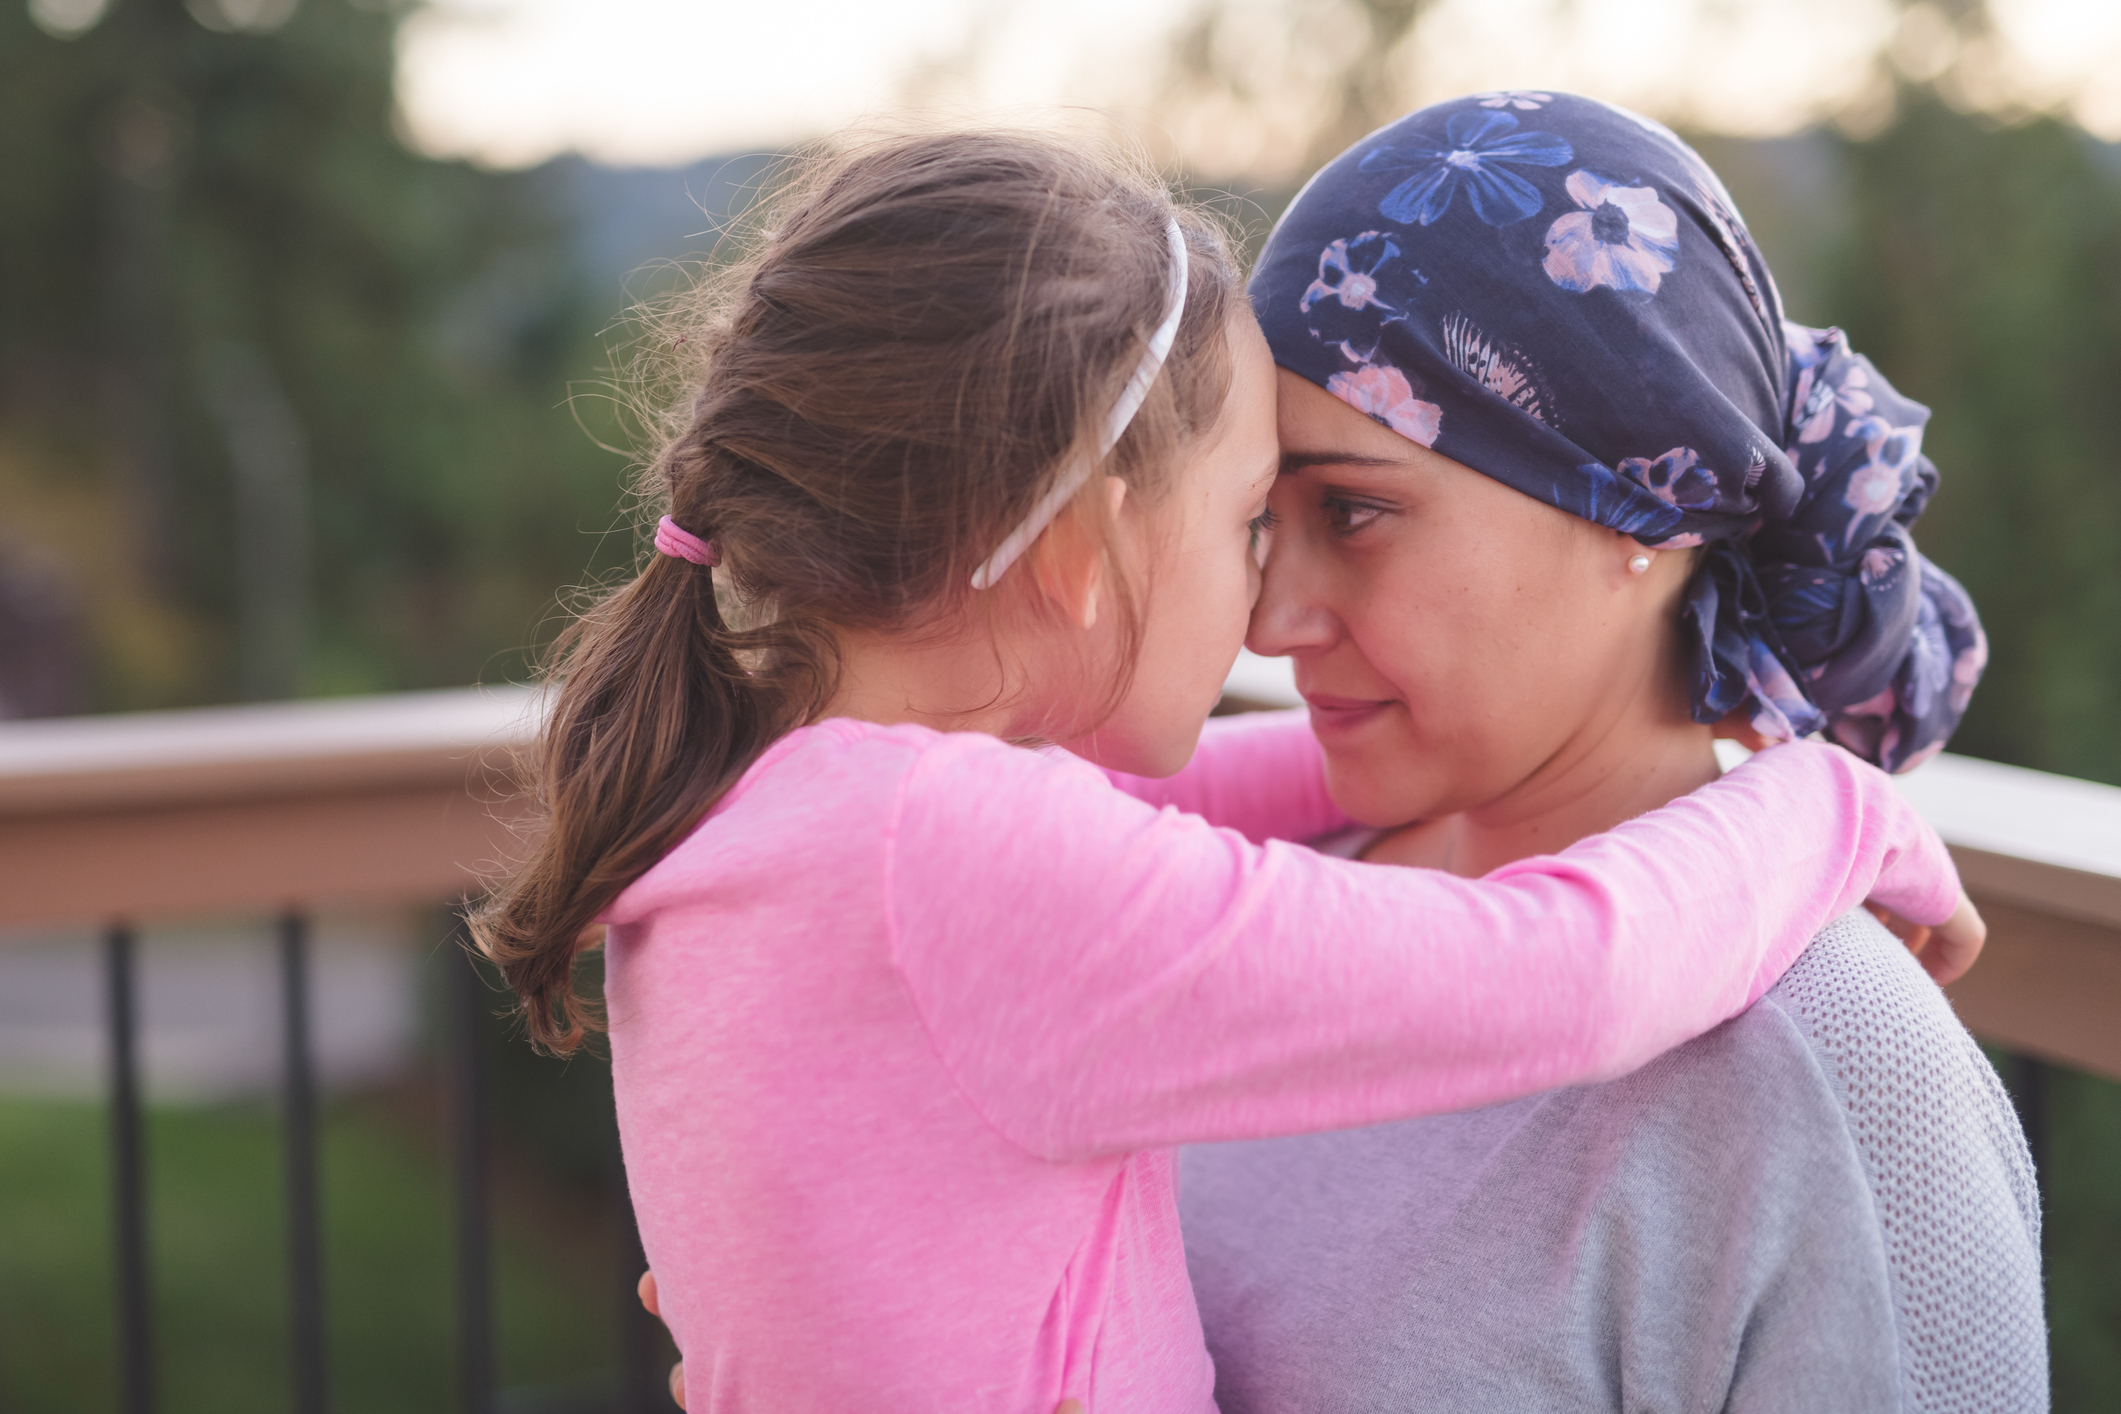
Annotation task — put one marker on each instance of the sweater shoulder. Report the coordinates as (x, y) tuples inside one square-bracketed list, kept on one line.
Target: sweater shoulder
[(1950, 1176), (1910, 1079)]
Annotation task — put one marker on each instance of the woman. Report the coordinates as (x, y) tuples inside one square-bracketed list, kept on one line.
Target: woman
[(1560, 490)]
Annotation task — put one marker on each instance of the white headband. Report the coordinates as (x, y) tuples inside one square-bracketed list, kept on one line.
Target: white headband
[(1123, 410)]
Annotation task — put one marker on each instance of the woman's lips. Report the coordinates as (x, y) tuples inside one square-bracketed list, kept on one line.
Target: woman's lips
[(1342, 714)]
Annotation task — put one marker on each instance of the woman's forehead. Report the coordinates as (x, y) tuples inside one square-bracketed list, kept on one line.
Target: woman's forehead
[(1318, 428)]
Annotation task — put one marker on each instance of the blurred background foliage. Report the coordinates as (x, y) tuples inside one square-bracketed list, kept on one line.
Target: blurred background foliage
[(287, 409), (1981, 266), (283, 407)]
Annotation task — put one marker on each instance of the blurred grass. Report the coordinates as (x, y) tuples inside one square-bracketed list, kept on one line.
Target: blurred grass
[(219, 1270)]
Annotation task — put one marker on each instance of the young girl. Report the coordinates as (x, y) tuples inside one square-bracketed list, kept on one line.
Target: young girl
[(905, 1016)]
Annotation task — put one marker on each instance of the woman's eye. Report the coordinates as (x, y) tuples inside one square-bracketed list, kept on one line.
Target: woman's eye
[(1346, 517)]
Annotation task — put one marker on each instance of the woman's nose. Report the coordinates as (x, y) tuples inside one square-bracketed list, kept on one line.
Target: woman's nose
[(1289, 616)]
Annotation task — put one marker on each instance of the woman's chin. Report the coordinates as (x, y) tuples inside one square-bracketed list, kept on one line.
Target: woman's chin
[(1372, 797)]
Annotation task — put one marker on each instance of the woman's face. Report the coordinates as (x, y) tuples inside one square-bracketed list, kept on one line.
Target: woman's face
[(1461, 645)]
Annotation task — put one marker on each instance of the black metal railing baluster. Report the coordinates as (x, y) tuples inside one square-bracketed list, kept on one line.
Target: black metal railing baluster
[(475, 1336), (136, 1336), (2028, 1087), (2026, 1078), (298, 1130)]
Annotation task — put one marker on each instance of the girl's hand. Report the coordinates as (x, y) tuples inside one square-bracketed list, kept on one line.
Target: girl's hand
[(646, 1288), (677, 1371), (1738, 727), (1945, 951)]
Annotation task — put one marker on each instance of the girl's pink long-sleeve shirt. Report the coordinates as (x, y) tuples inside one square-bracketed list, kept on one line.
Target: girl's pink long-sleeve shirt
[(902, 1033)]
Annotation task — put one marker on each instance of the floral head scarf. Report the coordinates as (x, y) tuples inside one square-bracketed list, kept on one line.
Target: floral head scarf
[(1560, 294)]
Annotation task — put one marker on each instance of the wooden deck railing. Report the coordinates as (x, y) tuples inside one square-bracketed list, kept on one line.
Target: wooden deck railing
[(281, 810), (396, 799), (411, 797)]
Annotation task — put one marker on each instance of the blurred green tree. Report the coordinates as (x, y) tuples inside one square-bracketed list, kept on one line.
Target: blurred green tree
[(291, 397), (1981, 267)]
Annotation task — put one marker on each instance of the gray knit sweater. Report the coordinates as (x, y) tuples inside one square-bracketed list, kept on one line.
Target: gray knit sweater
[(1824, 1204)]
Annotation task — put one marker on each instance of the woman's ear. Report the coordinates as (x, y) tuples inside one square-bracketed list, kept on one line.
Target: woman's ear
[(1068, 564)]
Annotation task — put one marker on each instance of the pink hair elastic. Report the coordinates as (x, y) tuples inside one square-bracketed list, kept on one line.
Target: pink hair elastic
[(674, 539)]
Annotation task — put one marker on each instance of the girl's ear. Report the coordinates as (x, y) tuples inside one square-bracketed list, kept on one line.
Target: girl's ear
[(1068, 563)]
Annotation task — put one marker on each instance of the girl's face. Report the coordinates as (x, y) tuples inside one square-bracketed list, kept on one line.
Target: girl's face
[(1459, 642), (1199, 577)]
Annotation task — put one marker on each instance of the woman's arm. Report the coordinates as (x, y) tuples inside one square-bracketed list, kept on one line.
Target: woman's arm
[(1100, 977), (1262, 774)]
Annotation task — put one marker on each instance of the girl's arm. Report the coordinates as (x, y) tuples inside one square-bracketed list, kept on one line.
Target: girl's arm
[(1099, 976), (1262, 774)]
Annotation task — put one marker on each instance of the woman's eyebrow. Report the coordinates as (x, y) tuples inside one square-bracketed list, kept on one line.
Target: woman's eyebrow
[(1300, 461)]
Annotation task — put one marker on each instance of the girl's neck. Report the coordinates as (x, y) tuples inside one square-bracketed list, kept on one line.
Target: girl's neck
[(938, 682), (1592, 785), (951, 679)]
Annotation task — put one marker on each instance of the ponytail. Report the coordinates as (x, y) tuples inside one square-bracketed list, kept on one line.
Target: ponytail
[(653, 719)]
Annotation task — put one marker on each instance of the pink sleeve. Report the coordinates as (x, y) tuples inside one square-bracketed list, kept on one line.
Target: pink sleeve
[(1262, 774), (1100, 976)]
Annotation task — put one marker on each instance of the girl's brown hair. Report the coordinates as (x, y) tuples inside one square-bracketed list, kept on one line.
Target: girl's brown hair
[(924, 338)]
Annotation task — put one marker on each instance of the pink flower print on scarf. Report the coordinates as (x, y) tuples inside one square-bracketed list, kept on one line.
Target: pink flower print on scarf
[(1867, 727), (1879, 562), (1876, 487), (1970, 660), (1351, 279), (1677, 478), (1384, 395), (1338, 304), (1818, 400), (1776, 696), (1522, 99), (1624, 238)]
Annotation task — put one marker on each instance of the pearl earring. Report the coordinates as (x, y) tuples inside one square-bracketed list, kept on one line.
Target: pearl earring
[(1640, 564)]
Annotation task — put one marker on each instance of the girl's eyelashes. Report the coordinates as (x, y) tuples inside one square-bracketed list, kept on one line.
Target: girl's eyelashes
[(1261, 529)]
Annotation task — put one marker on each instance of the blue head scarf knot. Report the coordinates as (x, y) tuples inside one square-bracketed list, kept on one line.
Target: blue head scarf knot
[(1560, 294)]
